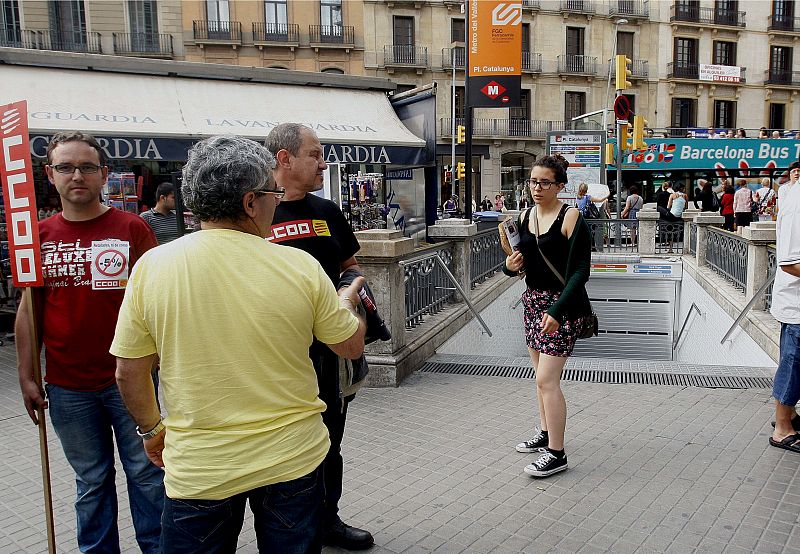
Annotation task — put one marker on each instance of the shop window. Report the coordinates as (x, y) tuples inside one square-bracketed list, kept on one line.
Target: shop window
[(724, 114), (574, 105)]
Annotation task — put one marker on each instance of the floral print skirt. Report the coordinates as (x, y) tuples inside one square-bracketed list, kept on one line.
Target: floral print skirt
[(561, 342)]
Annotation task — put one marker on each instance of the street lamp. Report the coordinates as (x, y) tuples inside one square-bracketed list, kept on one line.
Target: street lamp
[(608, 86)]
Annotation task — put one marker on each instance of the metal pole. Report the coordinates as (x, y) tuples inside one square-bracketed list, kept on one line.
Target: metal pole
[(463, 294), (453, 130), (467, 123), (618, 164), (610, 64)]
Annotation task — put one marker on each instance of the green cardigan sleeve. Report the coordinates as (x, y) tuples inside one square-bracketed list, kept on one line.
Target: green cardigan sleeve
[(579, 260)]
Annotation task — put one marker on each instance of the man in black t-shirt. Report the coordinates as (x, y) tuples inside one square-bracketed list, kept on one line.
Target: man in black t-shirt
[(316, 225)]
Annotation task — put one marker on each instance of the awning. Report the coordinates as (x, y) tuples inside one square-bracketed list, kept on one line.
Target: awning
[(356, 126)]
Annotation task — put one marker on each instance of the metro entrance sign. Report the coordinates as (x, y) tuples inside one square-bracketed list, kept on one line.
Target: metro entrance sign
[(494, 44)]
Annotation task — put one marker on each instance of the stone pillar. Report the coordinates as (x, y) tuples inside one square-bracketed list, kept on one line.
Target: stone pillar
[(703, 220), (759, 234), (381, 250), (460, 232), (688, 219), (648, 221)]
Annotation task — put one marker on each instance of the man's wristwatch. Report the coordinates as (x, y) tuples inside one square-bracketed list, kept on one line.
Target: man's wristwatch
[(152, 432)]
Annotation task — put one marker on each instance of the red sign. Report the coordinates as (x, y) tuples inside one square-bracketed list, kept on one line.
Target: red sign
[(19, 197), (493, 89), (622, 107)]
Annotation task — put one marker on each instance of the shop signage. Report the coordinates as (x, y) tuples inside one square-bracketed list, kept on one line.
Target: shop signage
[(717, 154), (494, 40), (19, 196), (720, 73), (400, 174)]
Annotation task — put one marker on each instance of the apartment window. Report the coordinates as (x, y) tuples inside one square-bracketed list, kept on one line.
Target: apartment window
[(218, 10), (10, 28), (403, 33), (330, 13), (783, 11), (684, 113), (724, 114), (67, 24), (460, 105), (780, 64), (143, 15), (575, 41), (574, 105), (275, 13), (687, 10), (526, 37), (518, 117), (777, 116), (726, 12), (458, 30), (625, 43), (685, 54), (724, 53)]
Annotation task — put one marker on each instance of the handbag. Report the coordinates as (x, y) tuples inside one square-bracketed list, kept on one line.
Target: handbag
[(590, 328)]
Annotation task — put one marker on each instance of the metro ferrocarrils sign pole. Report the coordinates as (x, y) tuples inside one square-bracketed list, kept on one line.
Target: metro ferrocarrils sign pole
[(494, 66), (22, 225)]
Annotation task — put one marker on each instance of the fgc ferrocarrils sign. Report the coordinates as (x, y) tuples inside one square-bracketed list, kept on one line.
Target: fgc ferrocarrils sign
[(19, 196)]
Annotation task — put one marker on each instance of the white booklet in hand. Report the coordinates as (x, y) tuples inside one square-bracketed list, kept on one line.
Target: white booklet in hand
[(512, 233)]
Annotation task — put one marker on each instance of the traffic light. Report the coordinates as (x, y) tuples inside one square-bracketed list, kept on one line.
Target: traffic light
[(609, 154), (623, 71), (624, 137), (460, 170), (461, 134), (639, 123)]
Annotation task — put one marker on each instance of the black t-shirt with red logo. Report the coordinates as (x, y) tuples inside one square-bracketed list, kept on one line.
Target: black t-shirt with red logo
[(317, 226)]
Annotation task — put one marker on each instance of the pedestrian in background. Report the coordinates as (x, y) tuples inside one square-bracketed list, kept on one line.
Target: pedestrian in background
[(742, 205), (555, 254), (162, 218), (766, 198), (726, 206), (633, 203)]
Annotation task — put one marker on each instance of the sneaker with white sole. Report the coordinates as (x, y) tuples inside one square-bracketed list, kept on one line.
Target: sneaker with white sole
[(546, 464), (536, 444)]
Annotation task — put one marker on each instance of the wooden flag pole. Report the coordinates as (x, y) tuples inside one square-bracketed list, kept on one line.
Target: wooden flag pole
[(43, 451)]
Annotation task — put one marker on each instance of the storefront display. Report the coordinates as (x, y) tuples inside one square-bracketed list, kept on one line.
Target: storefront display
[(121, 192), (363, 201)]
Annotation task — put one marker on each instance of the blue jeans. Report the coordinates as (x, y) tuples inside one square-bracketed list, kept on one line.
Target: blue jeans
[(287, 519), (786, 386), (84, 422)]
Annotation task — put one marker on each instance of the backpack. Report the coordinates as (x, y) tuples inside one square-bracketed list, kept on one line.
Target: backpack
[(589, 210), (715, 205)]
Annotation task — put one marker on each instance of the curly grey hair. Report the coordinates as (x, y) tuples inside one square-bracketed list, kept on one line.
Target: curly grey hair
[(286, 136), (219, 171)]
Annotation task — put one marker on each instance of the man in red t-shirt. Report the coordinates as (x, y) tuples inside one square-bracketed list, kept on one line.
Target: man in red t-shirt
[(87, 253)]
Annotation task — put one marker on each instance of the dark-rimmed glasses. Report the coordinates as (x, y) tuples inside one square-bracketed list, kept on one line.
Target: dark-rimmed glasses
[(544, 185), (277, 192), (69, 169)]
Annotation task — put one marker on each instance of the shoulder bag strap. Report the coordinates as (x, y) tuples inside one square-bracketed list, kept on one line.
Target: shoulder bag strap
[(536, 234)]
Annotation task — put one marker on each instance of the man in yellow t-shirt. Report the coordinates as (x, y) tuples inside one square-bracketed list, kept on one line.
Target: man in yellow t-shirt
[(231, 317)]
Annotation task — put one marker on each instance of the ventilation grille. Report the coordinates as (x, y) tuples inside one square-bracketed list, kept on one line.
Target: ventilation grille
[(610, 377)]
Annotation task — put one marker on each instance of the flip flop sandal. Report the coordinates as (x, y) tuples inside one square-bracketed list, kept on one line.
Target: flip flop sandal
[(795, 424), (792, 442)]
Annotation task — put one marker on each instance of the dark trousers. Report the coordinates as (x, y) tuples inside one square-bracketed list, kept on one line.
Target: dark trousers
[(333, 465)]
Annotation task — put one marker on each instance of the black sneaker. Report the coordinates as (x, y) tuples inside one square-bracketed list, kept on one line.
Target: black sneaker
[(536, 444), (546, 464)]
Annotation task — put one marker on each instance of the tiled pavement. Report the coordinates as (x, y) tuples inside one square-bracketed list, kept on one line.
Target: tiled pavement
[(431, 466)]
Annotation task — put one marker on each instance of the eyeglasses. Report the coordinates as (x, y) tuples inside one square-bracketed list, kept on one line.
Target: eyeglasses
[(544, 185), (69, 169), (278, 192)]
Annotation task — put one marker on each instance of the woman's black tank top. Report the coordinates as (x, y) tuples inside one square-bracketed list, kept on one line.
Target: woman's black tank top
[(553, 244)]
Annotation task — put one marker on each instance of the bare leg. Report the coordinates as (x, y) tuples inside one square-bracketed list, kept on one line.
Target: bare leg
[(783, 421), (542, 419), (552, 405)]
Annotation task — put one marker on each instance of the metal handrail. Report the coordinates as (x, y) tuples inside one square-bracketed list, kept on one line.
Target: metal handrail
[(685, 321), (747, 307)]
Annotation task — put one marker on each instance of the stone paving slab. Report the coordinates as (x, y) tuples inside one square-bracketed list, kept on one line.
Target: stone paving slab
[(431, 467)]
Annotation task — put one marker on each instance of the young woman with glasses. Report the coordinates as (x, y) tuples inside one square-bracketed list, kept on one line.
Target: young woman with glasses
[(556, 304)]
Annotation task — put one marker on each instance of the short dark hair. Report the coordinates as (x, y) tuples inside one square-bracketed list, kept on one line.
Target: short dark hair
[(75, 136), (794, 165), (286, 136), (165, 189), (633, 189), (557, 164), (679, 187)]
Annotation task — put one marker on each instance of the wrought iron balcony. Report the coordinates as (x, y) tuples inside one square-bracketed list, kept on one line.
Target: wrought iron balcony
[(532, 62), (692, 71), (227, 32), (573, 64), (531, 4), (630, 8), (511, 127), (335, 35), (639, 69), (783, 23), (153, 45), (460, 57), (405, 56), (778, 77), (577, 6), (73, 41), (11, 37), (691, 13), (276, 32)]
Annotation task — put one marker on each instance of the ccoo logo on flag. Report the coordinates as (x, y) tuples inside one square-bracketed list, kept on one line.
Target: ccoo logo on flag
[(507, 14)]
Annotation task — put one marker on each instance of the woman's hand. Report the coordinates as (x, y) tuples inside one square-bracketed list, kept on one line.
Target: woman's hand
[(515, 262), (549, 324)]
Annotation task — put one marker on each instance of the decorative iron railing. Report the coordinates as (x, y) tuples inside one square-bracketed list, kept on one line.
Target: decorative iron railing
[(726, 254), (428, 289), (487, 256), (669, 237), (332, 34), (75, 41), (149, 44), (457, 54), (693, 238), (511, 127), (400, 54), (772, 267), (276, 32), (532, 61), (226, 31), (577, 64), (614, 235)]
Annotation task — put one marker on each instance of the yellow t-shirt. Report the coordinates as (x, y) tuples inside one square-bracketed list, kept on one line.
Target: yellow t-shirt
[(231, 317)]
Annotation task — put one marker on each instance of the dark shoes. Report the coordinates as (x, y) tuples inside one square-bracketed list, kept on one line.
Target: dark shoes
[(347, 537)]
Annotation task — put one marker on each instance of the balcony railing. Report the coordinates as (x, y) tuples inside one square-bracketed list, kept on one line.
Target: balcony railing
[(222, 31), (143, 44), (402, 55), (460, 57), (276, 32), (577, 64), (777, 77), (692, 71), (11, 37), (332, 34), (531, 4), (577, 6), (87, 43), (783, 23), (707, 16), (511, 127), (630, 8), (639, 69), (532, 62)]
